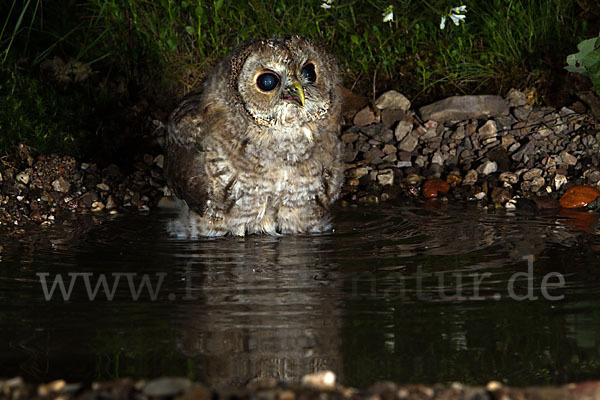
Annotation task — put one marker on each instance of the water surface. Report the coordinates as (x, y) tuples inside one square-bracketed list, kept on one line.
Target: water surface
[(406, 293)]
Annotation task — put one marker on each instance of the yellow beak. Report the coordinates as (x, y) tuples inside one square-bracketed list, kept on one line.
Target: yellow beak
[(295, 94)]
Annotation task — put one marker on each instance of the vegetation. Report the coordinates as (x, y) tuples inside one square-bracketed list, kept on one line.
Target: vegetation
[(587, 61), (64, 63)]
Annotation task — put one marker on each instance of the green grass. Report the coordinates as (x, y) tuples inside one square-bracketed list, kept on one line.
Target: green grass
[(163, 48)]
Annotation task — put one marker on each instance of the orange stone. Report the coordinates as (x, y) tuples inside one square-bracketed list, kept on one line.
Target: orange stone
[(432, 187), (579, 196)]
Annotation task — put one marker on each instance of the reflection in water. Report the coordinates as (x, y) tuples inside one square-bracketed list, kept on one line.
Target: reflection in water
[(365, 301), (266, 307)]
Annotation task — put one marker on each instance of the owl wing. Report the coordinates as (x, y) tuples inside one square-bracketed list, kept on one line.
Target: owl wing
[(185, 174)]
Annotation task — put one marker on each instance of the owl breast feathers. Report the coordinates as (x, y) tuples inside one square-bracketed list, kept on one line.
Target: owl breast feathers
[(256, 150)]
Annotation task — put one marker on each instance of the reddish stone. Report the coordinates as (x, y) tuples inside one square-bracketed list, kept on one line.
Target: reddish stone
[(579, 196), (431, 188)]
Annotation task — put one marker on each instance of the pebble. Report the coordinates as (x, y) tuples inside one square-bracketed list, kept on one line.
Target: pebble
[(487, 168), (403, 128), (488, 130), (385, 177), (509, 177), (52, 387), (23, 178), (432, 187), (320, 380), (532, 173), (392, 100), (437, 158), (110, 203), (454, 180), (364, 117), (409, 143), (166, 387), (579, 196), (559, 181), (389, 149), (98, 206), (414, 179), (568, 158), (61, 185), (103, 186), (391, 116), (516, 98), (471, 177), (159, 161), (349, 137), (358, 172)]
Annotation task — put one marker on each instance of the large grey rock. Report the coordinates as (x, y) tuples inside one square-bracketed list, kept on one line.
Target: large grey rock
[(465, 107), (392, 100)]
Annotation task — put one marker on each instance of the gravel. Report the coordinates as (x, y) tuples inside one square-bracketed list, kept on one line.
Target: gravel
[(528, 152)]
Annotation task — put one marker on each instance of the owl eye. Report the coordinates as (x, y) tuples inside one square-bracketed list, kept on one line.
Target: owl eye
[(267, 81), (308, 72)]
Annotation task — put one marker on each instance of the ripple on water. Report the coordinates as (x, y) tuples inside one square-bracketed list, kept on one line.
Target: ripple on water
[(234, 308)]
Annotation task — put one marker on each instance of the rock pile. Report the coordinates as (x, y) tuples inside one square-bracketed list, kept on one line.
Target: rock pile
[(500, 152), (43, 189), (311, 387), (485, 148)]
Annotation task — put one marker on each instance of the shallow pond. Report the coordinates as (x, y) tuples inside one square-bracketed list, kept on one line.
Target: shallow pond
[(406, 293)]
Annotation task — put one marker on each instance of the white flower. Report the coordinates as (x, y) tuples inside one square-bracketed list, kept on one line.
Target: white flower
[(457, 18), (456, 15), (327, 4), (388, 14)]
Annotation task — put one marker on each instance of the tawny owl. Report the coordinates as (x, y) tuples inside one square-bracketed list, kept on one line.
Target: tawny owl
[(256, 150)]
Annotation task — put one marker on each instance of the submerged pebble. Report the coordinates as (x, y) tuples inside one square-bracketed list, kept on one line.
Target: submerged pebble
[(432, 187)]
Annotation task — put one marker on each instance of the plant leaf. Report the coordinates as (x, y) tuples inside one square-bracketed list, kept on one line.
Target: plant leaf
[(575, 61)]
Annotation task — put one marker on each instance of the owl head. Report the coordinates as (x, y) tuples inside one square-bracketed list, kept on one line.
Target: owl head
[(282, 80)]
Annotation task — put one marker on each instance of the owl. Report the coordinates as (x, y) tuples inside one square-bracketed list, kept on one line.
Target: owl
[(256, 150)]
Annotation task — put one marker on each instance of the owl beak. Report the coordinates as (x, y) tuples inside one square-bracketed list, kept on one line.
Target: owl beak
[(294, 94)]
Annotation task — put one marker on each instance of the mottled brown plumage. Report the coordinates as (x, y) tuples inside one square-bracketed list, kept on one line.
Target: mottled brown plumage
[(256, 150)]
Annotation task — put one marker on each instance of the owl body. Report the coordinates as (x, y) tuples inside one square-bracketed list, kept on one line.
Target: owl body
[(257, 149)]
